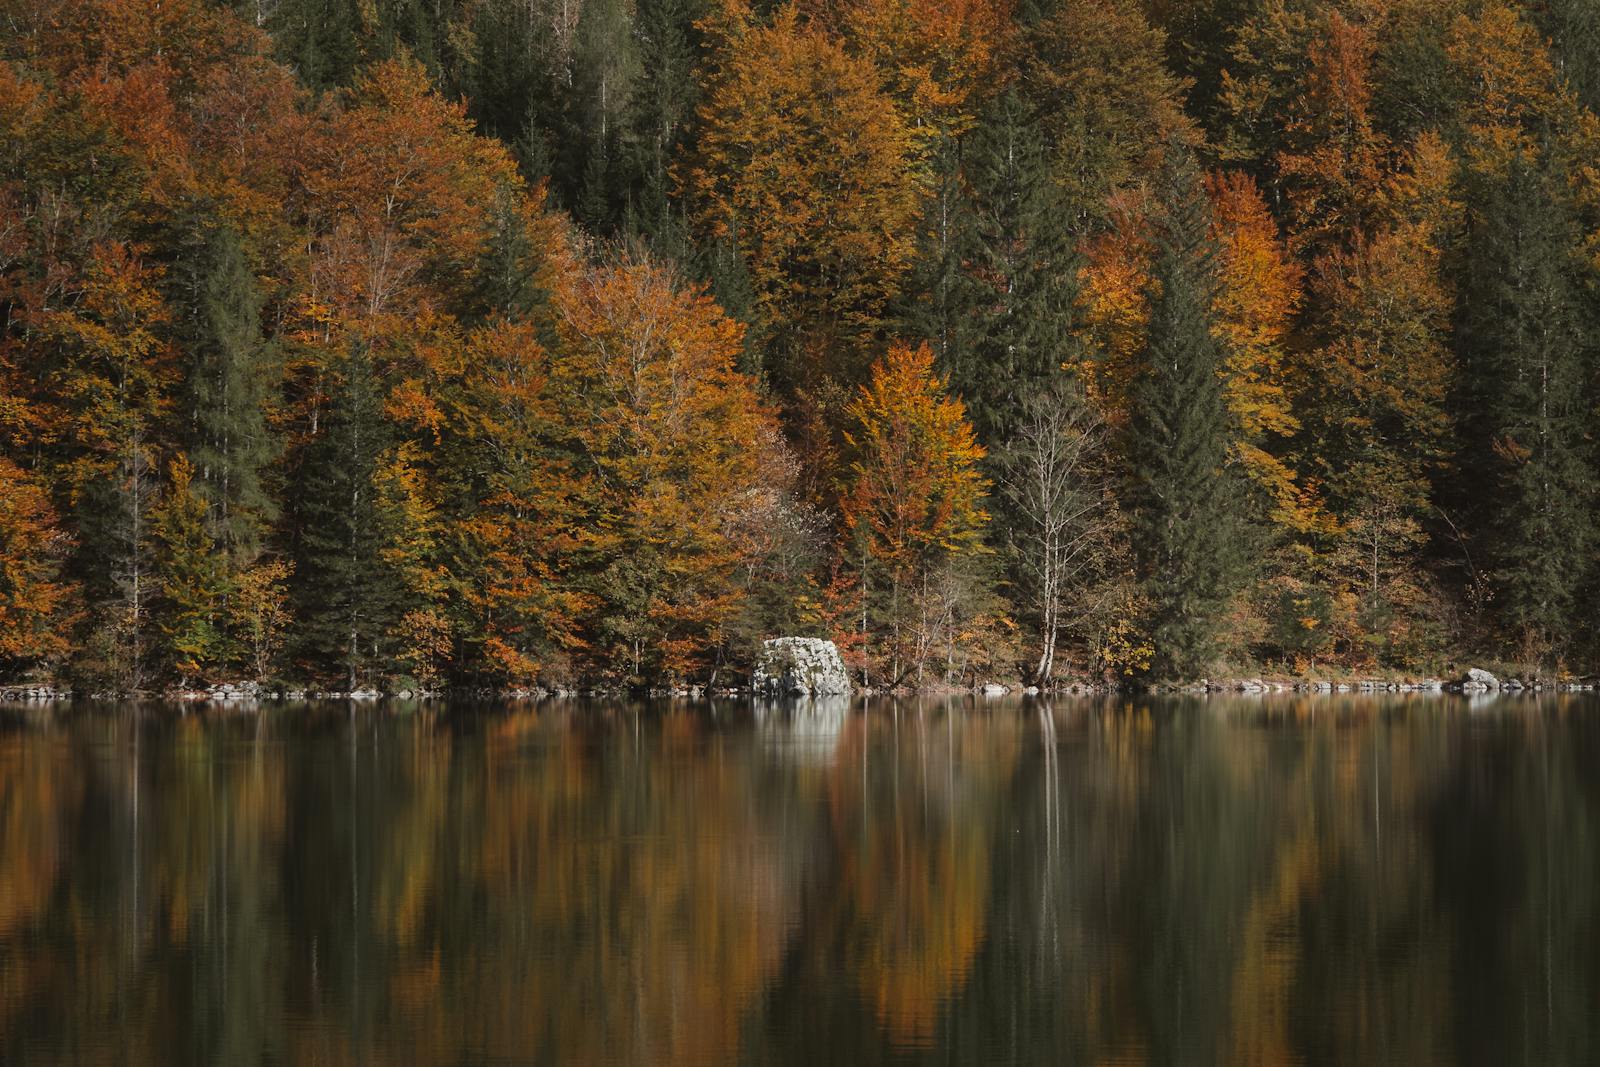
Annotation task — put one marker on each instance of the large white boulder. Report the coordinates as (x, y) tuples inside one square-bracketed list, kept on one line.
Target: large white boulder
[(800, 666)]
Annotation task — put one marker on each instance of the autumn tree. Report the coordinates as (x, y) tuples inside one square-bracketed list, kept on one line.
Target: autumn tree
[(517, 543), (193, 578), (805, 165), (939, 62), (914, 504), (35, 601), (1257, 296), (671, 434), (1333, 161), (1265, 66), (1372, 404), (1096, 75)]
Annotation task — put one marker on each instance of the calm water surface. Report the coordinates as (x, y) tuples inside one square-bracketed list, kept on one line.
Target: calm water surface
[(1309, 880)]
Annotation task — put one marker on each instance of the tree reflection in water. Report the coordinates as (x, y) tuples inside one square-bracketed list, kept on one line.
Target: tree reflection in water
[(1259, 881)]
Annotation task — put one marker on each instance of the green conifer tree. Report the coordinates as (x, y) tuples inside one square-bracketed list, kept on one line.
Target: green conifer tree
[(1529, 369), (507, 282), (1190, 536), (319, 39), (1574, 30), (347, 595), (660, 110), (998, 276), (229, 380)]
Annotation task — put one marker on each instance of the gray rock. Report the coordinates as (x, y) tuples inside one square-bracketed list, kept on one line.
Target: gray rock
[(800, 666), (993, 690), (1479, 681)]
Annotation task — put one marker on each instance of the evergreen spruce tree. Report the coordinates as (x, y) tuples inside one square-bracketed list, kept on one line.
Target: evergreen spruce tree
[(1190, 536), (660, 110), (994, 293), (347, 595), (1574, 30), (507, 277), (942, 298), (605, 66), (1530, 365), (1000, 273), (505, 78), (318, 38), (229, 381), (594, 189)]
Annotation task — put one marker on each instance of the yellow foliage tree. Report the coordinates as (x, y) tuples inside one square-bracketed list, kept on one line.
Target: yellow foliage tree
[(915, 498), (672, 434), (806, 167)]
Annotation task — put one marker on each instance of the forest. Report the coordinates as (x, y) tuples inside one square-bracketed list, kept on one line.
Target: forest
[(497, 343)]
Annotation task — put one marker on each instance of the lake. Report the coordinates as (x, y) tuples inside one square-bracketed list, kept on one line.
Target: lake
[(1270, 880)]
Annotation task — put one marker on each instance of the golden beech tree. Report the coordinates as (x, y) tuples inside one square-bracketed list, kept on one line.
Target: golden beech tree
[(1334, 160), (1115, 304), (1513, 91), (406, 167), (112, 371), (915, 499), (673, 435), (938, 61), (399, 197), (1258, 294), (806, 166), (248, 123), (1372, 391), (525, 532), (34, 600), (1106, 99)]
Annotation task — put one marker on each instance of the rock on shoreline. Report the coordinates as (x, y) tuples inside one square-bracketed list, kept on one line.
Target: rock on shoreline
[(800, 666)]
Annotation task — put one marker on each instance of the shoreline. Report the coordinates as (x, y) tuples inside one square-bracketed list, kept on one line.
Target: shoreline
[(1350, 685)]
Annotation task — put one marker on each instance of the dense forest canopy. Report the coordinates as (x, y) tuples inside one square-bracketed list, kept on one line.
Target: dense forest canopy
[(511, 342)]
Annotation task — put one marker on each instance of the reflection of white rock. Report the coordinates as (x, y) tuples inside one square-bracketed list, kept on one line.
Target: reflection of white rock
[(797, 666), (805, 731)]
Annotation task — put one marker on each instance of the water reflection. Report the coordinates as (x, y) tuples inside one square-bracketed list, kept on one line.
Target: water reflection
[(1251, 881)]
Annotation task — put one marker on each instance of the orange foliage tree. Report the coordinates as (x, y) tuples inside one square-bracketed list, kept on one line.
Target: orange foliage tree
[(1257, 296), (522, 532), (938, 61), (34, 600), (670, 433), (915, 499), (805, 166)]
